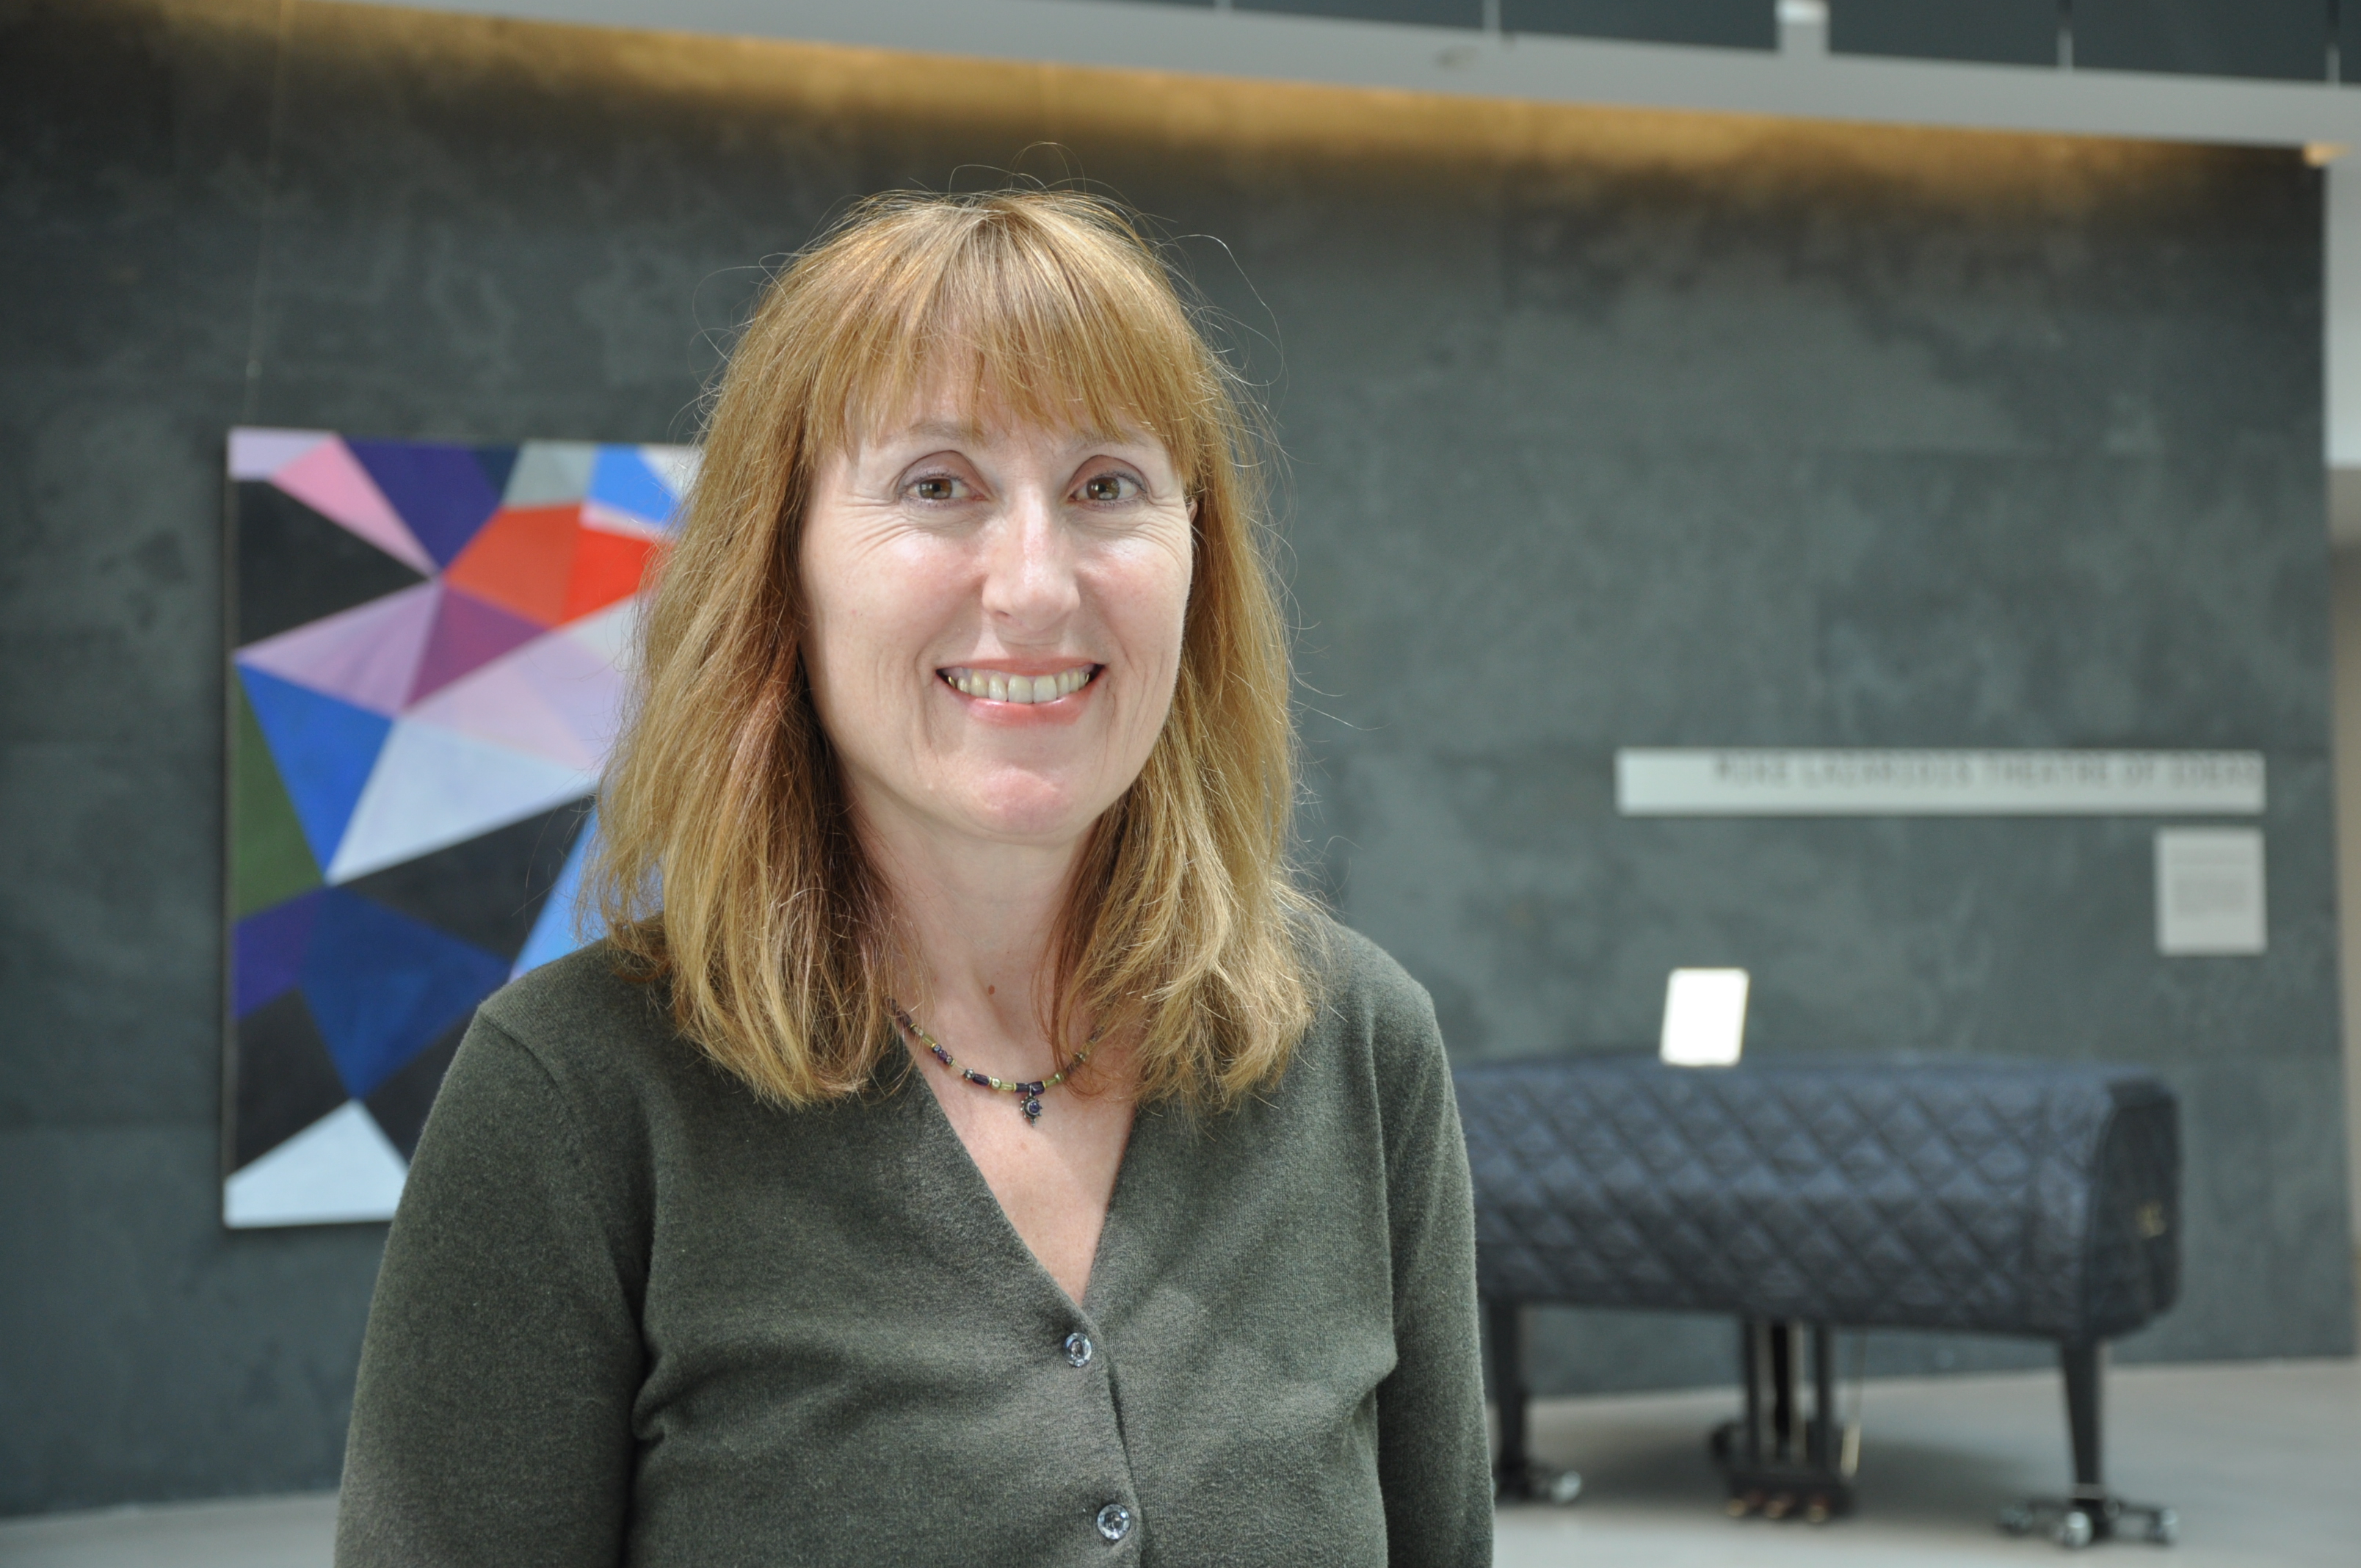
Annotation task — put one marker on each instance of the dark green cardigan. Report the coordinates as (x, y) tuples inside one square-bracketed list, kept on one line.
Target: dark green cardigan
[(631, 1314)]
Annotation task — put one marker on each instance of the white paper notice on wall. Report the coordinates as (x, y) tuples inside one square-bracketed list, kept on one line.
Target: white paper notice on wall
[(2209, 891), (1706, 781), (1704, 1017)]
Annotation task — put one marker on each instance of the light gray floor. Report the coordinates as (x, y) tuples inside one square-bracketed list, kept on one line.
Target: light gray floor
[(264, 1533), (2262, 1460)]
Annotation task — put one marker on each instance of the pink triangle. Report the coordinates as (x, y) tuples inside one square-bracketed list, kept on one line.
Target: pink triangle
[(332, 482), (467, 635), (257, 453), (369, 654), (553, 697)]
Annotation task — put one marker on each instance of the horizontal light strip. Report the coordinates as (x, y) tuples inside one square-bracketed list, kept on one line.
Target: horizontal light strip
[(1706, 781), (1805, 81)]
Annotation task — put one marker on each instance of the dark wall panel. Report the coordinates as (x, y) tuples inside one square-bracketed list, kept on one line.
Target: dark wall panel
[(1605, 429), (1998, 32), (1732, 24), (2286, 39)]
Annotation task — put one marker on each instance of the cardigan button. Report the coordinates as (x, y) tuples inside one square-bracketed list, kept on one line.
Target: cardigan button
[(1114, 1522), (1078, 1349)]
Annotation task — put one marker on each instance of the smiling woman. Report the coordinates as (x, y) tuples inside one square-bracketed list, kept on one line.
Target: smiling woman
[(960, 754)]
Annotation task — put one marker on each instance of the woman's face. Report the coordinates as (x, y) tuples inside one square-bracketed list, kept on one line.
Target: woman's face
[(995, 622)]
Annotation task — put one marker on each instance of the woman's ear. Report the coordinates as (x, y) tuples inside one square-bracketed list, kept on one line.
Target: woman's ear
[(1193, 509)]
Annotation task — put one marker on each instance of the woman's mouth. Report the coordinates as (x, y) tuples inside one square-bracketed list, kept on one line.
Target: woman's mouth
[(999, 685)]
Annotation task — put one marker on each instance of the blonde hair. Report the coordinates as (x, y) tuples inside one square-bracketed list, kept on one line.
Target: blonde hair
[(730, 868)]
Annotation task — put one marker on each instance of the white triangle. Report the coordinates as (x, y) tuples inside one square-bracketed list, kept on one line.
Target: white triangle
[(433, 787), (612, 520), (550, 472), (339, 1169), (607, 633), (674, 467)]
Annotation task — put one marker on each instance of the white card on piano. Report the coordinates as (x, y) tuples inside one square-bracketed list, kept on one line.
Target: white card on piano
[(1704, 1017)]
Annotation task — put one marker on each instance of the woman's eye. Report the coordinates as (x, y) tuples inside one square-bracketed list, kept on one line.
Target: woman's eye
[(935, 487), (1110, 488)]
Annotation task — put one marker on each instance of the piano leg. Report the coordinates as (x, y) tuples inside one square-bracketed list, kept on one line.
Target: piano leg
[(1515, 1476), (1783, 1392), (1820, 1450), (1750, 1358), (1513, 1473), (2091, 1512)]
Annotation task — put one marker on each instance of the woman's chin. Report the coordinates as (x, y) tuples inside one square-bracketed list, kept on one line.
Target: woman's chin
[(1037, 813)]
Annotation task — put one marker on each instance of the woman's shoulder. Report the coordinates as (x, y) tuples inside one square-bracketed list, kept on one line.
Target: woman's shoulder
[(1368, 997), (593, 1028), (585, 995)]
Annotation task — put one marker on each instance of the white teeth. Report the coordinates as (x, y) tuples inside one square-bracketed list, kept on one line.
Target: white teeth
[(996, 686)]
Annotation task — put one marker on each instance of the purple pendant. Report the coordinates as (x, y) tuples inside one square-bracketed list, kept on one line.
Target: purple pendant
[(1031, 1105)]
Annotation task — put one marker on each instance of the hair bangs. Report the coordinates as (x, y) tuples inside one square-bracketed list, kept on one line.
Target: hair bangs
[(1009, 320)]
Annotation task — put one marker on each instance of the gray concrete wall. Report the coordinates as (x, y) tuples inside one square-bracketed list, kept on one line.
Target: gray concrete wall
[(1606, 429)]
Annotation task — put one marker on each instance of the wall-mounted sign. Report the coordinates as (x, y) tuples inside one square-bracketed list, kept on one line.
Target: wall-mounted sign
[(1706, 781), (2209, 891)]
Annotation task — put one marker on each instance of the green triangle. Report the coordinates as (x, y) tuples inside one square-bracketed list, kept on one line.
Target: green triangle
[(270, 862)]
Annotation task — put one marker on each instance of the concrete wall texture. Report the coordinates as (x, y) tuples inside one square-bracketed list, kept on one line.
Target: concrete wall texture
[(1605, 429)]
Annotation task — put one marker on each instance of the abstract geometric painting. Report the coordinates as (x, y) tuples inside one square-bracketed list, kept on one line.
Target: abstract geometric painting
[(424, 687)]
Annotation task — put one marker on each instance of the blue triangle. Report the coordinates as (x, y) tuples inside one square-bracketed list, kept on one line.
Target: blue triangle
[(622, 479), (382, 986), (324, 749), (441, 491), (555, 932)]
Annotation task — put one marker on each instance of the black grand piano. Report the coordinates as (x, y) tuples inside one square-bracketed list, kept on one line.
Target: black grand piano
[(1799, 1197)]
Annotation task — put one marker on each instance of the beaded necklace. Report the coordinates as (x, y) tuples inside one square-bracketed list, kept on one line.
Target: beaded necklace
[(1031, 1092)]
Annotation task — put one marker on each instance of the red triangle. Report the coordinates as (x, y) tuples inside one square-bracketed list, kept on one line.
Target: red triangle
[(522, 561), (467, 635), (606, 567)]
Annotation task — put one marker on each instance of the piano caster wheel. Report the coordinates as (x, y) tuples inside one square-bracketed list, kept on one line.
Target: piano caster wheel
[(1817, 1511), (1564, 1486), (2164, 1527), (2074, 1531), (1740, 1507), (1780, 1507), (2016, 1520)]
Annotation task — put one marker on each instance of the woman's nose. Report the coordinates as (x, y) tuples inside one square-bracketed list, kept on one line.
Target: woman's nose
[(1028, 578)]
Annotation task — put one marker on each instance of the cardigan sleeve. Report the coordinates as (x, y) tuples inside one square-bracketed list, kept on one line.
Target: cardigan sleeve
[(1434, 1461), (491, 1422)]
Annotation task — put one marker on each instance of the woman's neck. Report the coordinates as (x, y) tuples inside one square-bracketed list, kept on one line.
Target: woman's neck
[(980, 916)]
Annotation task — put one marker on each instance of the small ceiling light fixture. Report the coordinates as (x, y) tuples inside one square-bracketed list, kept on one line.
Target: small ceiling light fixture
[(2321, 154)]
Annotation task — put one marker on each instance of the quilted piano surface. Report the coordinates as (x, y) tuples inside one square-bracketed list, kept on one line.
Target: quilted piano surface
[(1998, 1197)]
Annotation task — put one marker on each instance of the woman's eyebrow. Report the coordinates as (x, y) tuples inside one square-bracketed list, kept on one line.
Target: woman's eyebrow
[(958, 432), (941, 430)]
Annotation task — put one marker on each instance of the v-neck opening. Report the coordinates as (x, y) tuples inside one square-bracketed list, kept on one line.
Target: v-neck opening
[(941, 1126)]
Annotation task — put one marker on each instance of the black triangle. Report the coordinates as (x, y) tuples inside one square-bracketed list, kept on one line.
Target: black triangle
[(283, 1078), (402, 1101), (488, 890), (497, 462), (294, 566)]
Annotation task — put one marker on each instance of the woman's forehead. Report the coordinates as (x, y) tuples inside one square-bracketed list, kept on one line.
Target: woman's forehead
[(947, 416)]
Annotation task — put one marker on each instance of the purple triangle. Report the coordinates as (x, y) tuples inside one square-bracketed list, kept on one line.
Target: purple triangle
[(467, 635), (270, 951), (441, 491)]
